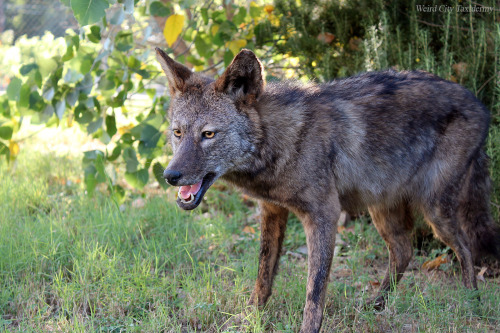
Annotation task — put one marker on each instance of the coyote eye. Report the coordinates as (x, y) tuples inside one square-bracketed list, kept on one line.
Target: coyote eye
[(177, 133), (208, 134)]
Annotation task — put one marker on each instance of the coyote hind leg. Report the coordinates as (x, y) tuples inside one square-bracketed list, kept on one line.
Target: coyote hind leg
[(442, 217), (395, 225)]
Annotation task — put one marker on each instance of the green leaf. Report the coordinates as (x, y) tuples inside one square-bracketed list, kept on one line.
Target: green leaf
[(85, 86), (150, 136), (118, 194), (124, 41), (69, 54), (90, 156), (130, 158), (158, 173), (47, 113), (14, 89), (219, 16), (4, 106), (25, 69), (159, 9), (107, 83), (111, 125), (240, 17), (76, 41), (226, 30), (90, 179), (72, 97), (195, 61), (48, 93), (228, 57), (59, 108), (255, 11), (4, 150), (204, 15), (94, 126), (137, 179), (116, 15), (95, 34), (83, 115), (38, 79), (101, 172), (202, 47), (36, 101), (24, 96), (6, 132), (86, 65), (115, 154), (118, 100), (72, 76), (89, 11), (47, 66)]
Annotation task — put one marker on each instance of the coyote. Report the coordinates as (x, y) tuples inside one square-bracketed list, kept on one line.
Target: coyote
[(393, 142)]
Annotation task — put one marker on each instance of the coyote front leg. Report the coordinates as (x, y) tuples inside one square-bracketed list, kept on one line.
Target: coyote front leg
[(273, 225), (320, 228)]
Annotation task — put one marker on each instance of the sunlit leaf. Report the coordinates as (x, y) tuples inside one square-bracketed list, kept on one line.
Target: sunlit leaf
[(60, 107), (14, 89), (24, 96), (89, 11), (6, 132), (236, 45), (173, 28), (13, 149)]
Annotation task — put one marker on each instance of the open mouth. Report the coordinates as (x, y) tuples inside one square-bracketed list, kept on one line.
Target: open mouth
[(190, 196)]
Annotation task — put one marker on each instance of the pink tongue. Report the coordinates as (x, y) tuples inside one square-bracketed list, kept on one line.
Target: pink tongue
[(185, 191)]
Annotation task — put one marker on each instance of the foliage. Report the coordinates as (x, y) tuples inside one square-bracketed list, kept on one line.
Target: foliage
[(89, 78), (338, 38)]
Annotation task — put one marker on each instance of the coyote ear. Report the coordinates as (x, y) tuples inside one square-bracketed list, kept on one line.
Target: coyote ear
[(177, 74), (242, 77)]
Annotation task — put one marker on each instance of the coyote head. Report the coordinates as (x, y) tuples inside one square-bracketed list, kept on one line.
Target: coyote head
[(211, 123)]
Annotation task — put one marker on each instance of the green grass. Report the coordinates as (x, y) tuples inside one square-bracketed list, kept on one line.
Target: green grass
[(71, 263)]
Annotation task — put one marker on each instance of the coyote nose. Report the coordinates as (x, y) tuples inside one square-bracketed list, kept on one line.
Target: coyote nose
[(172, 176)]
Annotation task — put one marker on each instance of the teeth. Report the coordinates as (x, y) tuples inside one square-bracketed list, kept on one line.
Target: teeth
[(191, 198)]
